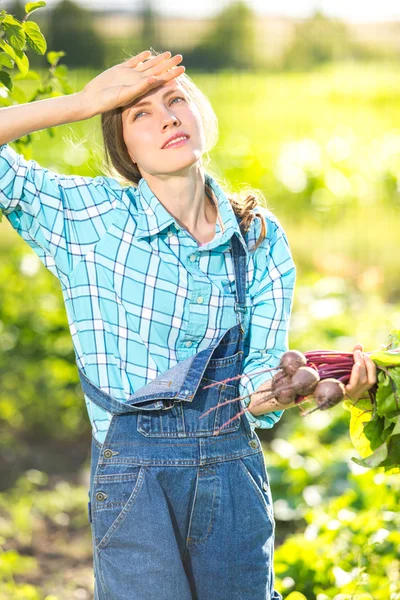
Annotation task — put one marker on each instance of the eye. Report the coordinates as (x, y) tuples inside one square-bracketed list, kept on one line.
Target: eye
[(137, 114), (143, 112)]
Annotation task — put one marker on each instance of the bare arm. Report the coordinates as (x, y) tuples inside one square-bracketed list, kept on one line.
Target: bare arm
[(117, 86), (21, 119)]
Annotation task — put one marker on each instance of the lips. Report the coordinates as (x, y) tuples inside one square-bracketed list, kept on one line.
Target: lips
[(174, 137)]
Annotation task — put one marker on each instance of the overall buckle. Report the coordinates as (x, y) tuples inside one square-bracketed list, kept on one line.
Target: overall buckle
[(240, 308)]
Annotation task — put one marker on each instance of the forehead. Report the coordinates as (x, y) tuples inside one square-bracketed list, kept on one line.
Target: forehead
[(157, 92)]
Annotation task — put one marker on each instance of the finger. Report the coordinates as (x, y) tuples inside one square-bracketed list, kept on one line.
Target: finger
[(153, 61), (371, 370), (358, 347), (358, 356), (135, 60), (354, 379), (174, 72), (166, 65)]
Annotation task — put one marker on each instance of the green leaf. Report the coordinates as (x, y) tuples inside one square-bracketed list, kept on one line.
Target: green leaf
[(386, 358), (6, 60), (373, 431), (6, 80), (22, 63), (14, 32), (34, 36), (386, 433), (395, 338), (61, 71), (31, 6), (359, 417), (396, 430), (7, 48), (393, 458), (387, 400), (30, 75), (19, 95), (54, 57), (375, 459)]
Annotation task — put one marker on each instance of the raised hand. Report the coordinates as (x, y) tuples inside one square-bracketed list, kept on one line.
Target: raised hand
[(123, 83)]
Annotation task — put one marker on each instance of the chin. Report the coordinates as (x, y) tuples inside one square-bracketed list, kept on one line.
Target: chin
[(181, 165)]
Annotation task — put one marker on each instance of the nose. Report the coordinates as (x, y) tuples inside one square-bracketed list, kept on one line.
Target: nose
[(169, 119)]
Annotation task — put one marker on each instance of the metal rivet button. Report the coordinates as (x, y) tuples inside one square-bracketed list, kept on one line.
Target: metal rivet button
[(253, 443), (107, 453), (192, 257), (101, 496), (188, 344), (265, 486), (200, 300)]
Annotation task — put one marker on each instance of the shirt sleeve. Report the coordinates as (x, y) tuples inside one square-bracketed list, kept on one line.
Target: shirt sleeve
[(267, 335), (61, 217)]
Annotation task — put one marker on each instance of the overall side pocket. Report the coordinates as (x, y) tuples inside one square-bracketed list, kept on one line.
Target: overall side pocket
[(113, 497), (255, 472)]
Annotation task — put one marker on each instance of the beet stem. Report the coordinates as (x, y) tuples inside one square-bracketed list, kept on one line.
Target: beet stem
[(239, 376)]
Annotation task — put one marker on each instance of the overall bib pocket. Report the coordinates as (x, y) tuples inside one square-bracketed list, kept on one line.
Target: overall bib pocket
[(183, 419), (113, 497)]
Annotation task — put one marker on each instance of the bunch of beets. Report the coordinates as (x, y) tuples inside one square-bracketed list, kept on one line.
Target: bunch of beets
[(320, 373)]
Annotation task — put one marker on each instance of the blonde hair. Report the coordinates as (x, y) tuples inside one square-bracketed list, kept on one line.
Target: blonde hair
[(118, 163)]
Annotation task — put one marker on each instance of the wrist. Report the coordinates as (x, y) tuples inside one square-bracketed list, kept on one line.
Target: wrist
[(83, 106)]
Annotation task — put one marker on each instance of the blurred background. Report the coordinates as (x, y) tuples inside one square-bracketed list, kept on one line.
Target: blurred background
[(308, 101)]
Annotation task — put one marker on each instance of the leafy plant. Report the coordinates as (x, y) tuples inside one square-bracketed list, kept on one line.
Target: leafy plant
[(16, 39)]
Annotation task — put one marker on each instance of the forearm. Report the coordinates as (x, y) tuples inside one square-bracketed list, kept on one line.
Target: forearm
[(22, 119), (260, 405)]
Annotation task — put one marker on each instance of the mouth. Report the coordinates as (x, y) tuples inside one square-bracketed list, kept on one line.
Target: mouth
[(176, 142)]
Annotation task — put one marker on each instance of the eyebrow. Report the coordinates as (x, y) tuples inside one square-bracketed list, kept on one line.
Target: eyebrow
[(146, 102)]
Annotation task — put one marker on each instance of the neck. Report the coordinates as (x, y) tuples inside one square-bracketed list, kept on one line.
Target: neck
[(184, 197)]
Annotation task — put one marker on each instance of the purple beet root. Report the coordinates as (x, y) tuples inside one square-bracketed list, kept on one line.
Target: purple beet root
[(304, 381), (328, 393), (291, 361)]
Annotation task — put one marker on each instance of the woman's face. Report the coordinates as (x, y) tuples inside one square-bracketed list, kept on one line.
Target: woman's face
[(154, 117)]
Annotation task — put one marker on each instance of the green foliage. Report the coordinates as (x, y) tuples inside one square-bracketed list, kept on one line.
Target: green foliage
[(71, 28), (228, 44), (375, 423), (319, 40), (31, 514), (16, 39), (342, 520)]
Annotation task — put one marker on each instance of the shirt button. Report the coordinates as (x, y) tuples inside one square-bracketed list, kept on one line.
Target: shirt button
[(200, 300), (192, 257), (188, 344), (170, 233), (265, 486)]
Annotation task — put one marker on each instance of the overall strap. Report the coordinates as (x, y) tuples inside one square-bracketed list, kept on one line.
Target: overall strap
[(240, 266)]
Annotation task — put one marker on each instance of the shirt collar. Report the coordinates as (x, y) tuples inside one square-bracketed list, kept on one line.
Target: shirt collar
[(153, 217)]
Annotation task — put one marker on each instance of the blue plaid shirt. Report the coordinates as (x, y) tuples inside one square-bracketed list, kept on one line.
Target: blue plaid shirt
[(140, 293)]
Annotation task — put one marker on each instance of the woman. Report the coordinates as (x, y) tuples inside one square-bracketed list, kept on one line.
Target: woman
[(169, 285)]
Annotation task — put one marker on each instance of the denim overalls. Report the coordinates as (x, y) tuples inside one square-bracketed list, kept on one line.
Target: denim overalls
[(177, 512)]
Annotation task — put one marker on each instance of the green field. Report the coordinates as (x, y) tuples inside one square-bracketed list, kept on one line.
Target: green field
[(324, 148)]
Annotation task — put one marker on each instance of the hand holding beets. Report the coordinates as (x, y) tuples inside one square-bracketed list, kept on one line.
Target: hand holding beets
[(299, 377)]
